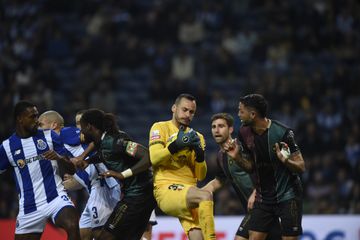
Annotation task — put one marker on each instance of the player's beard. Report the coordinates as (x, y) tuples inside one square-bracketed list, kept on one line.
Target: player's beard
[(87, 139), (220, 139), (247, 123), (183, 121), (33, 129)]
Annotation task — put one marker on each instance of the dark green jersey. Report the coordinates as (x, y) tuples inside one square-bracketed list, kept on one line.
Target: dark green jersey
[(239, 179), (116, 153), (274, 182)]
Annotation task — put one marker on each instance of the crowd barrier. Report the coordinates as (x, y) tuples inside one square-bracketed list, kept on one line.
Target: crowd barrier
[(322, 227)]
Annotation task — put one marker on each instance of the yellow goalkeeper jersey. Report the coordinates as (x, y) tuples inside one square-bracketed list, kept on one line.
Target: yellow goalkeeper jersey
[(179, 167)]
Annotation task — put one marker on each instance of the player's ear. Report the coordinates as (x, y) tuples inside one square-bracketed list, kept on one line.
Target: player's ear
[(173, 108), (231, 130), (253, 114), (53, 125)]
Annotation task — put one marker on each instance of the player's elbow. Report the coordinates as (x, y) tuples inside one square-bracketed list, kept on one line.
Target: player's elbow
[(302, 167)]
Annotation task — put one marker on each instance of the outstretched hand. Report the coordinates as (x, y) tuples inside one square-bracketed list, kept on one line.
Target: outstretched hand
[(111, 173), (79, 162), (231, 147)]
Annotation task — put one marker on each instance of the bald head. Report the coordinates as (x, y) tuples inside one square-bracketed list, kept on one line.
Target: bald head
[(51, 120)]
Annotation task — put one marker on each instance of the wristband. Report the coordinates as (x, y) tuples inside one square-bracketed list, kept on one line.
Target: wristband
[(127, 173), (286, 154)]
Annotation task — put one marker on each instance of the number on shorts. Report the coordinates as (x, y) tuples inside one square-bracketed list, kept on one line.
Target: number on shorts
[(95, 215)]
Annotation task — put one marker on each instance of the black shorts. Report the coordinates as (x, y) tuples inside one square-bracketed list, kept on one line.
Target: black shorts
[(130, 217), (289, 212), (243, 230)]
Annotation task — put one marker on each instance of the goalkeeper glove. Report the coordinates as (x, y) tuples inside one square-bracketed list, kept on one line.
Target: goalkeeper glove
[(196, 146), (182, 141)]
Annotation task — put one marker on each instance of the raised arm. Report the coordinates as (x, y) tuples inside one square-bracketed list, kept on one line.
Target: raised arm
[(243, 159), (138, 153)]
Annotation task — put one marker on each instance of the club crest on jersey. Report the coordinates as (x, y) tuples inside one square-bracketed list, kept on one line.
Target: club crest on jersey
[(41, 145), (21, 163)]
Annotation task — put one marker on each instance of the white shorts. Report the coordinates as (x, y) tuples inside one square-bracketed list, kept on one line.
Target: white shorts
[(35, 222), (101, 202)]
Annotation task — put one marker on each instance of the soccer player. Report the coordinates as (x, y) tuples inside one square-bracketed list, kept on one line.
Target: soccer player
[(129, 162), (268, 149), (103, 194), (36, 156), (177, 156), (222, 126)]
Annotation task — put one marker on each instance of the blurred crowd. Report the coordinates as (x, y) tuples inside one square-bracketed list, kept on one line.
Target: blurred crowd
[(302, 55)]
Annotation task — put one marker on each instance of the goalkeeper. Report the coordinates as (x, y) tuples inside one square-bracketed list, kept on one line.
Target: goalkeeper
[(177, 156)]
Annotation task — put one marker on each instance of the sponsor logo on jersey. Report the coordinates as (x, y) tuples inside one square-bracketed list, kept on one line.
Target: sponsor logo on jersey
[(155, 135), (22, 162), (41, 145), (176, 187)]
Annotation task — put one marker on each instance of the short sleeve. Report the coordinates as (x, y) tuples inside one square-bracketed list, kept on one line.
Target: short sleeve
[(121, 143), (70, 136), (156, 136), (289, 138)]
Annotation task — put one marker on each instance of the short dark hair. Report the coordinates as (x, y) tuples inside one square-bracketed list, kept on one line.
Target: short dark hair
[(256, 101), (226, 116), (184, 95), (21, 107)]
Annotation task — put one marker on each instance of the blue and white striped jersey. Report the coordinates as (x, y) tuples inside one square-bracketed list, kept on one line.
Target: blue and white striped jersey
[(37, 179), (88, 177)]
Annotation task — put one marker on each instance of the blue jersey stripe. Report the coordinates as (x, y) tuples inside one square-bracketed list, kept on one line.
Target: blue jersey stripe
[(84, 176), (29, 198), (17, 184), (46, 170)]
